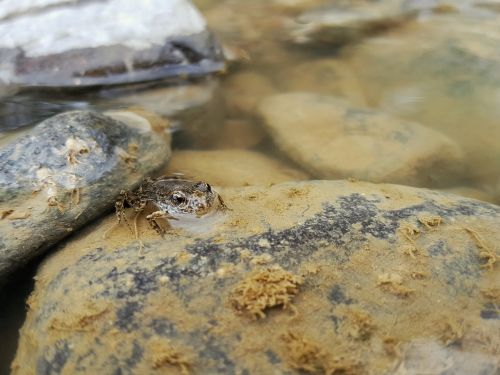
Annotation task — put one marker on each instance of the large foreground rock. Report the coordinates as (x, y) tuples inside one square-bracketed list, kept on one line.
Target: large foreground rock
[(333, 139), (66, 171), (313, 277), (48, 42)]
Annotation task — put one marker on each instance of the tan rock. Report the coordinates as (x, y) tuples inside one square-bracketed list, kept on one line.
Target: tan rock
[(242, 92), (333, 139), (324, 76), (196, 109), (232, 167), (239, 134)]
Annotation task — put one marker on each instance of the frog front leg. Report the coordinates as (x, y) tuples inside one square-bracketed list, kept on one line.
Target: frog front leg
[(151, 218)]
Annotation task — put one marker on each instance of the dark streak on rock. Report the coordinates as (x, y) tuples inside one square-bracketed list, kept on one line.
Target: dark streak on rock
[(54, 365), (125, 316)]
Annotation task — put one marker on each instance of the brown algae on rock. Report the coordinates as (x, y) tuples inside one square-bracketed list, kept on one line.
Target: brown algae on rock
[(309, 357), (164, 356), (265, 289)]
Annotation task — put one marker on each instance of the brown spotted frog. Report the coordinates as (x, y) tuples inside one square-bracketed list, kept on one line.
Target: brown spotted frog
[(173, 197)]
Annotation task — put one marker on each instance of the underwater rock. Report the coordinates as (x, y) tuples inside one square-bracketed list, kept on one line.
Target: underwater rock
[(331, 138), (232, 167), (239, 133), (243, 90), (65, 172), (444, 72), (323, 76), (347, 22), (194, 109), (322, 276), (43, 44)]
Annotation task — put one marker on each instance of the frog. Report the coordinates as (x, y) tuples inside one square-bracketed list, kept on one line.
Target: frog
[(173, 197)]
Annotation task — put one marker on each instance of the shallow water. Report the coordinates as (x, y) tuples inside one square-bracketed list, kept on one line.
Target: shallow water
[(414, 71)]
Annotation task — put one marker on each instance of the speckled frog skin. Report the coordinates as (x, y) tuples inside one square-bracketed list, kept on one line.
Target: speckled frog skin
[(172, 197)]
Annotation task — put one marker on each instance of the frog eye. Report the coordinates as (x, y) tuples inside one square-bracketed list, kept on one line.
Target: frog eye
[(203, 186), (178, 198)]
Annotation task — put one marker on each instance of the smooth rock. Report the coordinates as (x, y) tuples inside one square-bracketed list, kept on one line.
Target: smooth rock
[(323, 76), (258, 39), (319, 276), (194, 110), (232, 167), (42, 43), (243, 91), (331, 138), (167, 101), (65, 172), (444, 72), (239, 133), (349, 21)]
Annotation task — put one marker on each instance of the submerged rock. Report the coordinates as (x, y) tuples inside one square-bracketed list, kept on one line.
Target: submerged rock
[(323, 76), (333, 139), (195, 109), (347, 22), (443, 72), (43, 44), (322, 276), (65, 172), (239, 133), (232, 167), (242, 92)]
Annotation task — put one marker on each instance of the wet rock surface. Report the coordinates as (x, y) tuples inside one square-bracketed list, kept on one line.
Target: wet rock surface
[(319, 276), (233, 167), (42, 44), (334, 139), (65, 172)]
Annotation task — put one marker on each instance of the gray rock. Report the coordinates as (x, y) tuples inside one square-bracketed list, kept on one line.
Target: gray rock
[(65, 172), (319, 276), (330, 138), (42, 43)]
